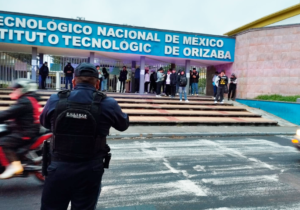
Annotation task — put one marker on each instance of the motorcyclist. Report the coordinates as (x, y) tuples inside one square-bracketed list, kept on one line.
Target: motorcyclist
[(24, 127)]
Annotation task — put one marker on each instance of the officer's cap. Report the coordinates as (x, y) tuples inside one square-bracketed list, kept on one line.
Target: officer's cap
[(86, 70)]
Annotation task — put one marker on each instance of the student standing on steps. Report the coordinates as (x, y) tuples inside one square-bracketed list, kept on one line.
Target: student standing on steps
[(147, 81), (221, 82), (159, 81), (232, 87), (182, 82), (122, 79), (168, 83), (174, 83)]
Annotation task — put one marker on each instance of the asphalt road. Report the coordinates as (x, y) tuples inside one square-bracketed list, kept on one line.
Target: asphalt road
[(212, 173)]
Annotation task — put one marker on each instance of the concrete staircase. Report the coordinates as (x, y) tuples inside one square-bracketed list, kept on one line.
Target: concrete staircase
[(150, 110)]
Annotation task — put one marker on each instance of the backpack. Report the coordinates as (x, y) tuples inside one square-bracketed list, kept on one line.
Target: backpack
[(183, 81)]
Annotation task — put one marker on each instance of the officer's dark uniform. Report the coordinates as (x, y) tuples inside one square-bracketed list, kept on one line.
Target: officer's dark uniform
[(80, 121)]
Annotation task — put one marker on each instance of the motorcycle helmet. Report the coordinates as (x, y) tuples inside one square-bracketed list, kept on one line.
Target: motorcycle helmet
[(25, 85)]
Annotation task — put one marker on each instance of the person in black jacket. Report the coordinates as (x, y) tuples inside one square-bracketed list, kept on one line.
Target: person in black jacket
[(24, 127), (69, 71), (105, 77), (44, 72), (182, 82), (173, 82), (221, 82), (153, 78), (194, 81), (123, 78), (232, 87)]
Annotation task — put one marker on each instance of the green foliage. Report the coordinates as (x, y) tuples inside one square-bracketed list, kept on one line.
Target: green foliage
[(3, 85), (202, 82), (277, 97)]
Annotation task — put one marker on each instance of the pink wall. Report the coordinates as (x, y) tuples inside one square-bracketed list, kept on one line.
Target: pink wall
[(267, 61)]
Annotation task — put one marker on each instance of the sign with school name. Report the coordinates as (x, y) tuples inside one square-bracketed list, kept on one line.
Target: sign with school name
[(37, 30)]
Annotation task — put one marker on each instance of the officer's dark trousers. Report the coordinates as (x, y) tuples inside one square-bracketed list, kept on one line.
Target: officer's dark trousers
[(43, 82), (220, 93), (75, 182), (231, 92)]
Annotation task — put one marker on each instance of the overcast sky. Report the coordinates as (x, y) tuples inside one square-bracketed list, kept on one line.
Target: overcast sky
[(200, 16)]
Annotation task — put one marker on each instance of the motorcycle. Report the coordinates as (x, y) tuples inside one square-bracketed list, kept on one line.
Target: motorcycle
[(296, 140), (31, 156)]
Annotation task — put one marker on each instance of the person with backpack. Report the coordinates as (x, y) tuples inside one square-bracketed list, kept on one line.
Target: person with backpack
[(194, 81), (159, 81), (153, 79), (105, 77), (173, 83), (182, 82), (221, 82), (232, 87)]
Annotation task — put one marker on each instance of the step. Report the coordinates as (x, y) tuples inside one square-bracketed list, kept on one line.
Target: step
[(183, 106), (152, 101), (147, 120), (175, 113)]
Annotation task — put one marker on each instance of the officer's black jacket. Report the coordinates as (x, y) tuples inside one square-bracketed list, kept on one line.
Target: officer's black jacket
[(111, 116)]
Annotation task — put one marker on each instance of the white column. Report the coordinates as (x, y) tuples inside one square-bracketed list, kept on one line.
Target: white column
[(92, 57), (142, 74), (33, 63), (58, 83), (187, 72)]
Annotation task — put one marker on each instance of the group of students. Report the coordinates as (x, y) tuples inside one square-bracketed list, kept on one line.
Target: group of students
[(220, 84), (103, 76), (172, 82)]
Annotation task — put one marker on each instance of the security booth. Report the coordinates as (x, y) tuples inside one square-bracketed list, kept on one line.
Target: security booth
[(61, 40)]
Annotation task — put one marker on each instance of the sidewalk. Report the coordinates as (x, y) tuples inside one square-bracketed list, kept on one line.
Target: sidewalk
[(198, 131)]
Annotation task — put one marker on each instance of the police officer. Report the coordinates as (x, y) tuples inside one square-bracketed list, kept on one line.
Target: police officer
[(80, 121)]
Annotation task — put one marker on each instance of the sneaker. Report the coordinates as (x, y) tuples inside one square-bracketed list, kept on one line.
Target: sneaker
[(216, 102), (159, 96), (180, 100), (197, 94), (222, 102), (12, 169), (170, 96), (187, 101), (214, 98), (177, 94)]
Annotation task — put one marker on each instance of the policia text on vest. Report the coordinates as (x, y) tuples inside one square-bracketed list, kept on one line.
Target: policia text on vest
[(80, 121)]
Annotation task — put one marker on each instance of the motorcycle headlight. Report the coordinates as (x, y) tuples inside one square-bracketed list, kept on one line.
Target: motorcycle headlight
[(298, 132)]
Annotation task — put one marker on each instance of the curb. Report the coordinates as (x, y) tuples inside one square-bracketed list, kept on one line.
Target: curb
[(187, 135)]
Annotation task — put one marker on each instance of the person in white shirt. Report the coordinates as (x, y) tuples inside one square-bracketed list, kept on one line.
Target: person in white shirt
[(214, 83), (168, 83), (147, 81)]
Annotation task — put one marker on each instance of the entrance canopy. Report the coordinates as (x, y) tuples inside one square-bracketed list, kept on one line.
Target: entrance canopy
[(69, 37)]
